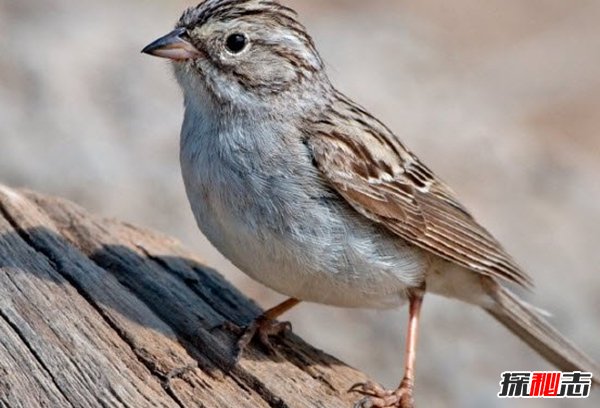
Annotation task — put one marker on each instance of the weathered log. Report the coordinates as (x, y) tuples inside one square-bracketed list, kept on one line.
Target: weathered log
[(99, 313)]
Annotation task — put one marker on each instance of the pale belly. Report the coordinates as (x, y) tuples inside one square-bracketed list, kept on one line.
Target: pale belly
[(313, 251)]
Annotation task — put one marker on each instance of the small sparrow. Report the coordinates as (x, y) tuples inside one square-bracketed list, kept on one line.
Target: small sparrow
[(308, 193)]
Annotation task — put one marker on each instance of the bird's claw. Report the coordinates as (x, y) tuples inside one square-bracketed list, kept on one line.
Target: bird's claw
[(375, 396), (261, 329)]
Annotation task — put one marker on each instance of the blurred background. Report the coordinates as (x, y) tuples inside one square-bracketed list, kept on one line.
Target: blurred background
[(500, 97)]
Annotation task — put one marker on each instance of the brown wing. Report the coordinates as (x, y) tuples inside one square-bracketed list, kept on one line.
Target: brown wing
[(383, 181)]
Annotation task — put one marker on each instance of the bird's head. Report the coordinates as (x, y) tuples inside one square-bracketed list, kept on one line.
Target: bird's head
[(242, 52)]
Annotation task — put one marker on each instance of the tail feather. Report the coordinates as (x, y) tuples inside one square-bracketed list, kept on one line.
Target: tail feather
[(533, 329)]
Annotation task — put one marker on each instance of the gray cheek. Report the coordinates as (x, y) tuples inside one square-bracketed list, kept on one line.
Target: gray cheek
[(273, 70)]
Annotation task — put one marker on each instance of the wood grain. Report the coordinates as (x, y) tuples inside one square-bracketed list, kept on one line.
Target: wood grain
[(99, 313)]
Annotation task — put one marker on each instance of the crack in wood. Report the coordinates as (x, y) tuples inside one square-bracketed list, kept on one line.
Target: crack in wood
[(245, 379), (164, 380), (33, 352)]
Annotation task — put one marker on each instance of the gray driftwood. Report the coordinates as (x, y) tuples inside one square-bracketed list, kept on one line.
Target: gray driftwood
[(98, 313)]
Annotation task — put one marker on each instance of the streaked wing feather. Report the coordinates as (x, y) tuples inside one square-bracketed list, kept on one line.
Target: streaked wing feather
[(389, 185)]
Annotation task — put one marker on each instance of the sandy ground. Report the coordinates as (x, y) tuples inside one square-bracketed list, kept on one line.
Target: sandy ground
[(501, 98)]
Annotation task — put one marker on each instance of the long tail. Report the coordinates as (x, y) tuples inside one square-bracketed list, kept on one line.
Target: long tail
[(524, 321)]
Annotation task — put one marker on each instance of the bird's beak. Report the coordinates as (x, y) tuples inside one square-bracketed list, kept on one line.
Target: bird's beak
[(173, 46)]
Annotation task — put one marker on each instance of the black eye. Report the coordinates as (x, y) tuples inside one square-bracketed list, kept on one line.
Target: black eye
[(236, 42)]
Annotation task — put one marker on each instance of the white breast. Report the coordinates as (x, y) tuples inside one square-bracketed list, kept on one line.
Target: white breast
[(264, 208)]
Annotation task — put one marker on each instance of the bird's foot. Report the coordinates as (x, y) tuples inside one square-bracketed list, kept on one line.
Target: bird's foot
[(261, 329), (375, 396)]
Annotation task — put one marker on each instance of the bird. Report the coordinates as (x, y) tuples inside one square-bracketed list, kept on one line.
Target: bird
[(311, 195)]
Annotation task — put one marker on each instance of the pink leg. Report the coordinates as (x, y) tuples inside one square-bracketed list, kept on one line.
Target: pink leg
[(378, 397)]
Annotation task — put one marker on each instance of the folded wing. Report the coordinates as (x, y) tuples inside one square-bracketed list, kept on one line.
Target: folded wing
[(382, 180)]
